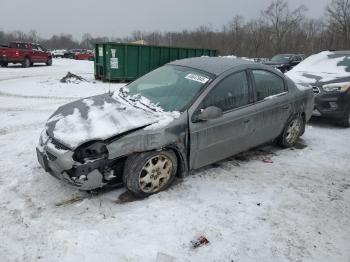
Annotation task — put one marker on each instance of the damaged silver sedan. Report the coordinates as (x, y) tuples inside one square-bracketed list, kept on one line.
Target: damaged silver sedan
[(177, 118)]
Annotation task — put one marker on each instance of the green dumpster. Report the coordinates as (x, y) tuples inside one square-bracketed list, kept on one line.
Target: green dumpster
[(126, 62)]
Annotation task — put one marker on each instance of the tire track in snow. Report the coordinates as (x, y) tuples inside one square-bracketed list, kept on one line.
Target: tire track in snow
[(3, 94), (20, 128)]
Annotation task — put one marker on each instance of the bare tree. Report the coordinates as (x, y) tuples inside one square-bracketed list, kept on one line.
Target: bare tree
[(338, 12), (282, 20)]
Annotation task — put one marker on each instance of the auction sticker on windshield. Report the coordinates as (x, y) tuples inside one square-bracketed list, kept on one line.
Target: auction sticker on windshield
[(197, 78)]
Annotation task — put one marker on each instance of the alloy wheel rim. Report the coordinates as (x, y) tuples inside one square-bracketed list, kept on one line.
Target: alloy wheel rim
[(293, 131), (155, 174)]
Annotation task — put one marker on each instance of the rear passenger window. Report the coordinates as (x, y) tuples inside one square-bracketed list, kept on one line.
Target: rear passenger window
[(230, 93), (267, 84)]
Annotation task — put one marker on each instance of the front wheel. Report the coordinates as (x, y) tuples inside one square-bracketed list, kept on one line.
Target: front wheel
[(49, 61), (149, 173), (345, 121), (292, 131), (4, 64)]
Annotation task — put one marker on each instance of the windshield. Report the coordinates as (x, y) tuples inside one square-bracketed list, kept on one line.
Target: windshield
[(170, 87), (280, 58)]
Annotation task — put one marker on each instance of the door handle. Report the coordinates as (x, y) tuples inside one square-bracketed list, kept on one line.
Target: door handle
[(285, 107), (246, 121)]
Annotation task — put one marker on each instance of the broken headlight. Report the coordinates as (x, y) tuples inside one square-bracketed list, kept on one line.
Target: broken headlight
[(336, 87), (90, 152)]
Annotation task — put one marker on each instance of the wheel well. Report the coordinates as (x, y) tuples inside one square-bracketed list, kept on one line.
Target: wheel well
[(181, 170)]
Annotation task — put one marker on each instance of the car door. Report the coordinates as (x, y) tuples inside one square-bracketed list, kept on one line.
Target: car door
[(36, 54), (272, 105), (217, 139), (42, 54)]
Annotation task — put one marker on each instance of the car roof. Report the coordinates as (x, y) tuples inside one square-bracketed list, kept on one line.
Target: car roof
[(213, 65)]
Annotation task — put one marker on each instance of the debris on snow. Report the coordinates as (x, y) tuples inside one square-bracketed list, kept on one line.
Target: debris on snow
[(267, 160), (199, 241), (70, 201), (72, 78)]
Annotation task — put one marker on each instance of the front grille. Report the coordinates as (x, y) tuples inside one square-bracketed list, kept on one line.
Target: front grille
[(51, 156), (58, 145), (316, 90)]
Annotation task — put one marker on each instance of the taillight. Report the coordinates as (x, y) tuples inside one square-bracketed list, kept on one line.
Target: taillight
[(17, 53)]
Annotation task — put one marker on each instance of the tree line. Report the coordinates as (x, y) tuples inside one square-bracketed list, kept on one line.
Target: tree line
[(278, 29)]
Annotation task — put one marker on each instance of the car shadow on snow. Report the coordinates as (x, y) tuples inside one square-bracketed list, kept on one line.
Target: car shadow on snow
[(264, 153), (324, 123)]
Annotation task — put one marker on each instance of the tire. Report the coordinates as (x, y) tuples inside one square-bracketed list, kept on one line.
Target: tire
[(345, 121), (26, 63), (143, 177), (4, 64), (49, 61), (292, 131)]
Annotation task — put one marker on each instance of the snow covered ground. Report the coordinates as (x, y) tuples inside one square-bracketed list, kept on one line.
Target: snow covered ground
[(296, 208)]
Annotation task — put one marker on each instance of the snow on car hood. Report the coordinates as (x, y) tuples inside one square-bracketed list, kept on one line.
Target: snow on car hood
[(322, 67), (101, 117)]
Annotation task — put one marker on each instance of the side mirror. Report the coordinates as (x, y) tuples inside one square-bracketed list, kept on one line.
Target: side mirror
[(211, 112)]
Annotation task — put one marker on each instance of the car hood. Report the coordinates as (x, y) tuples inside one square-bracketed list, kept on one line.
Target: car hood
[(102, 117), (317, 78)]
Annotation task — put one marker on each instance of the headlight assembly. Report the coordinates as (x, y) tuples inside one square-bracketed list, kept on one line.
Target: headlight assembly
[(336, 87), (91, 151)]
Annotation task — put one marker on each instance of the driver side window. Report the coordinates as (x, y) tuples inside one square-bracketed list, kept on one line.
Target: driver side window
[(230, 93)]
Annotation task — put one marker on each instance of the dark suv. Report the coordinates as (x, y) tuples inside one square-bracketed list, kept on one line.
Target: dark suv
[(285, 62), (329, 74)]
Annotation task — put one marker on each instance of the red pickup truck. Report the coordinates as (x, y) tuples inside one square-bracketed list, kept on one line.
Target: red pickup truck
[(24, 53)]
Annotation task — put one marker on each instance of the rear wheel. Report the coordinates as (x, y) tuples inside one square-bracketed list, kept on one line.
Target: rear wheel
[(149, 173), (292, 131), (345, 121), (26, 62)]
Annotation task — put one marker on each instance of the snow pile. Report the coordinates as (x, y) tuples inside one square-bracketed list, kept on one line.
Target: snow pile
[(72, 78)]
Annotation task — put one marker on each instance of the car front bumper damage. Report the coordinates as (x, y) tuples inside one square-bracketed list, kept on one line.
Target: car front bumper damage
[(60, 164)]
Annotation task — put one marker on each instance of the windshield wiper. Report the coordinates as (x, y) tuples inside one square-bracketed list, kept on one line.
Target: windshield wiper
[(131, 100)]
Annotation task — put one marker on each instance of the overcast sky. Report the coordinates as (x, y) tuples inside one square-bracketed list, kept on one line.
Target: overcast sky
[(119, 18)]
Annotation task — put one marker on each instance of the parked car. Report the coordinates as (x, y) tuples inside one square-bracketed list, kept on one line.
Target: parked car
[(284, 62), (182, 116), (86, 55), (24, 53), (72, 53), (58, 53), (329, 74)]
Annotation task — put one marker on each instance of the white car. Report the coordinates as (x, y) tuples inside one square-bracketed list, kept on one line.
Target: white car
[(58, 53)]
